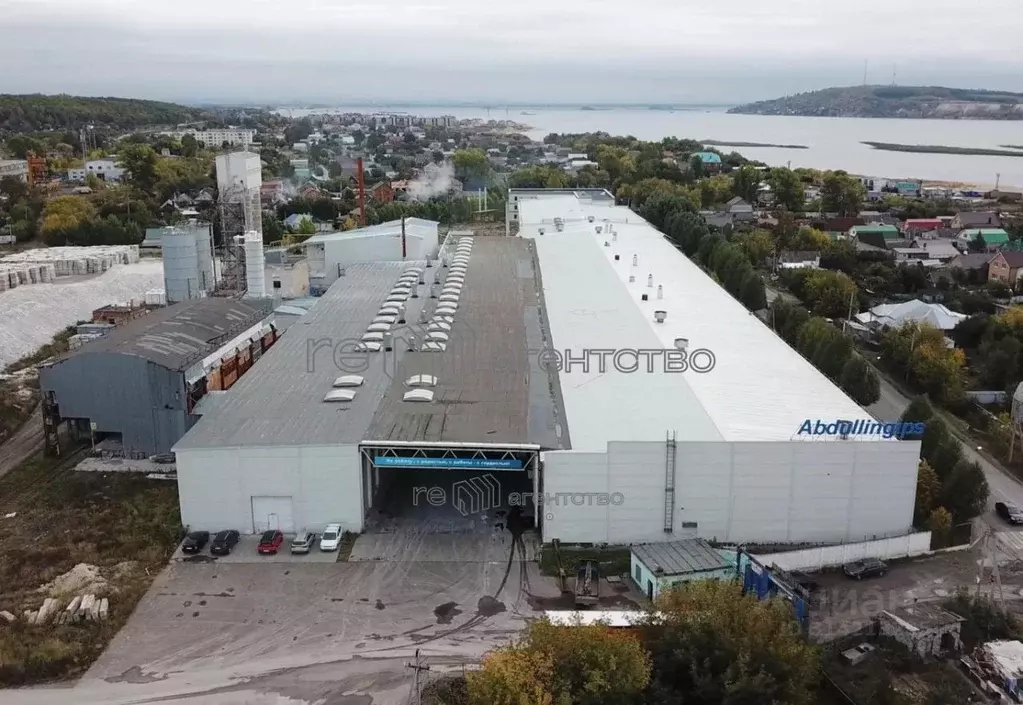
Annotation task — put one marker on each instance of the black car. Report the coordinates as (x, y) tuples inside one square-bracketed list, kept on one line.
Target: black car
[(1009, 512), (223, 542), (867, 568), (195, 542)]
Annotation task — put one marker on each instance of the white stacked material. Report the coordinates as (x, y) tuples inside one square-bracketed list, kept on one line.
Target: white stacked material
[(45, 264), (156, 297)]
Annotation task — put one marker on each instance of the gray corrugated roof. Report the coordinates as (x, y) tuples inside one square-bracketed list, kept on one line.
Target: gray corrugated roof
[(489, 391), (177, 336), (678, 557)]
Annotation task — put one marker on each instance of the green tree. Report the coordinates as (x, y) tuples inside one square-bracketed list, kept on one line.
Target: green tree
[(746, 183), (939, 523), (829, 293), (140, 162), (758, 244), (471, 163), (616, 161), (306, 226), (555, 665), (789, 191), (715, 190), (710, 644), (660, 206), (965, 492), (928, 491), (189, 146), (859, 381), (13, 188), (273, 229), (841, 194), (752, 292), (64, 214), (810, 239)]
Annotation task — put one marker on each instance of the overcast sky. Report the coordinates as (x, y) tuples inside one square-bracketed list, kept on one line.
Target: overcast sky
[(344, 51)]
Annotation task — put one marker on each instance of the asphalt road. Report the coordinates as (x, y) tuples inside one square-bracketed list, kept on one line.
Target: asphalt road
[(1004, 488)]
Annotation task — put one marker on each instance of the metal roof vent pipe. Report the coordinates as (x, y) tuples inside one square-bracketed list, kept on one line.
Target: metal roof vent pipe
[(341, 272), (388, 342), (632, 278), (444, 262), (659, 316), (433, 291), (424, 315), (599, 229), (614, 236), (607, 244), (401, 314), (660, 291), (429, 262), (617, 257), (422, 278), (415, 292), (589, 218), (645, 297), (635, 260), (682, 344), (540, 230), (412, 343), (650, 281), (436, 278)]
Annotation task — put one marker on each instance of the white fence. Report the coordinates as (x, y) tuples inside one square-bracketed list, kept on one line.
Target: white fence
[(826, 556)]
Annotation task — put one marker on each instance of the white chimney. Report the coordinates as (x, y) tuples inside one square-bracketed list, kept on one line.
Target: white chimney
[(614, 236), (632, 278), (589, 218), (681, 344), (422, 278), (650, 280), (433, 291), (388, 341), (659, 316), (635, 260), (599, 229), (415, 291), (424, 316), (660, 291), (607, 244), (429, 263)]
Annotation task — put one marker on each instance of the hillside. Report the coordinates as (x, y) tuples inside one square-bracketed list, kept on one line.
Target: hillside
[(894, 102), (39, 113)]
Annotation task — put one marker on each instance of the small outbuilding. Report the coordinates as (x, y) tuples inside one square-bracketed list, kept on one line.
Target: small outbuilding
[(927, 629), (657, 567)]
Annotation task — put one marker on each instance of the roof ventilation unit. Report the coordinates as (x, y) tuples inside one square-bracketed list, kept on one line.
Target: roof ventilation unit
[(422, 278), (421, 381), (660, 291), (424, 315), (433, 292), (650, 280), (540, 231), (617, 257), (589, 219), (339, 395), (632, 278), (349, 381), (614, 236), (420, 395), (415, 292), (682, 344), (635, 260), (607, 243), (644, 297), (412, 347), (599, 229), (388, 342), (659, 316)]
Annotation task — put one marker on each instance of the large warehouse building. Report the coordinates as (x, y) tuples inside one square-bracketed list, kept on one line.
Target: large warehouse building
[(539, 368), (142, 383)]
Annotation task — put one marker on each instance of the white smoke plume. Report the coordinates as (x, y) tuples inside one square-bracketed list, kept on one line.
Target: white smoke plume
[(436, 180)]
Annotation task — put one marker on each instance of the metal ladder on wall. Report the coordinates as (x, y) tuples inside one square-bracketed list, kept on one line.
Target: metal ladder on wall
[(670, 453)]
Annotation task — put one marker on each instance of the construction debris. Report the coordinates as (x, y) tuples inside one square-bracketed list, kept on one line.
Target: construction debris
[(7, 616), (88, 607), (82, 579), (997, 666)]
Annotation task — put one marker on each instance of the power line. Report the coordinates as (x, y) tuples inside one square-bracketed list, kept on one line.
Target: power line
[(415, 697)]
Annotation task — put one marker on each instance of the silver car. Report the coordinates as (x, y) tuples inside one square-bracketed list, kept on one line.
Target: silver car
[(303, 542)]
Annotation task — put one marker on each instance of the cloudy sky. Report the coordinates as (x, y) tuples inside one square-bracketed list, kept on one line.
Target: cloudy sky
[(344, 51)]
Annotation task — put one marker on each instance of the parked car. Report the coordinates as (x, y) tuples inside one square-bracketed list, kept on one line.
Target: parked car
[(303, 542), (331, 538), (867, 568), (223, 542), (1009, 512), (195, 542), (270, 541), (804, 580)]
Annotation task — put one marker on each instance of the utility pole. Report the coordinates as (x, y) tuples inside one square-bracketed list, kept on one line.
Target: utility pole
[(988, 557), (417, 668)]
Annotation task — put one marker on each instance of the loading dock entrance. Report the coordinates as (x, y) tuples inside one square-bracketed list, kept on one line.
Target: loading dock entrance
[(447, 488)]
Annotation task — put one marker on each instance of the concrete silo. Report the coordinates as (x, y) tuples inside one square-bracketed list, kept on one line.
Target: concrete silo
[(181, 274)]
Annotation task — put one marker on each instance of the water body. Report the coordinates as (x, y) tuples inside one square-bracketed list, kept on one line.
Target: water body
[(834, 143)]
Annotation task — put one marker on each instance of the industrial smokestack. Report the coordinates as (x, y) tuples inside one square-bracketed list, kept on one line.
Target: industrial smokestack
[(404, 248), (362, 192)]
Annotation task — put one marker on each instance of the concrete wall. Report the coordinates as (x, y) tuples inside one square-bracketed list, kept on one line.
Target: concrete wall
[(368, 248), (123, 394), (644, 577), (787, 492), (216, 486), (906, 546)]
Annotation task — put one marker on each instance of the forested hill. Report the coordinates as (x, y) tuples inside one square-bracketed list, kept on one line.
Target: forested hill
[(38, 113), (894, 102)]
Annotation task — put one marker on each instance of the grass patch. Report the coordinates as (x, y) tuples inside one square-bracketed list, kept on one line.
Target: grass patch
[(614, 560), (344, 549), (124, 524)]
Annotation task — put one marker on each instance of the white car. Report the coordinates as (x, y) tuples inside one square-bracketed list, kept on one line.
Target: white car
[(330, 539)]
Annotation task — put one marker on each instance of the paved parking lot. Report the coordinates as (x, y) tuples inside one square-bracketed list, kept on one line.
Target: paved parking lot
[(245, 552)]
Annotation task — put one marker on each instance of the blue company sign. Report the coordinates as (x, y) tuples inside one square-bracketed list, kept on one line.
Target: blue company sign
[(863, 427), (389, 461)]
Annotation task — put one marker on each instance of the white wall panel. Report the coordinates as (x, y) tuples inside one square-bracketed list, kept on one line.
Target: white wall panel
[(636, 471), (703, 488), (575, 472), (216, 486)]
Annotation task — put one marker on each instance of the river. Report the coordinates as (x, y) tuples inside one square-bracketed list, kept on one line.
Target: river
[(834, 143)]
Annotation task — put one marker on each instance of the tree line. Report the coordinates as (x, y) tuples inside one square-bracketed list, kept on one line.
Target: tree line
[(37, 113)]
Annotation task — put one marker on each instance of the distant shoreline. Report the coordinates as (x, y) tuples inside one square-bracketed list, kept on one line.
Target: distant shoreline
[(942, 149), (728, 143)]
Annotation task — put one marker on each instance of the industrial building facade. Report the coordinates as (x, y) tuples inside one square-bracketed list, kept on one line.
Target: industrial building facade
[(496, 372), (141, 382)]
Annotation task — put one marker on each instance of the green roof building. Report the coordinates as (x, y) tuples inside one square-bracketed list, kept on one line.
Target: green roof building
[(993, 237)]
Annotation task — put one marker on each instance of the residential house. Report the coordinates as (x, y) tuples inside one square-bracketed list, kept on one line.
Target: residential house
[(972, 262), (382, 192), (717, 219), (1006, 267), (18, 169), (994, 238), (739, 209), (310, 192), (918, 226), (895, 315), (104, 169), (294, 221), (711, 161), (886, 236), (975, 219), (349, 166), (205, 197), (804, 259), (940, 250), (271, 193), (658, 567)]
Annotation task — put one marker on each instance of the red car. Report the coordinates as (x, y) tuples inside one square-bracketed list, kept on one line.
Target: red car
[(270, 541)]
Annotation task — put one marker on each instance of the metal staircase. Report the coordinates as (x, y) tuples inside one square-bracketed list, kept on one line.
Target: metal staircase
[(670, 453)]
